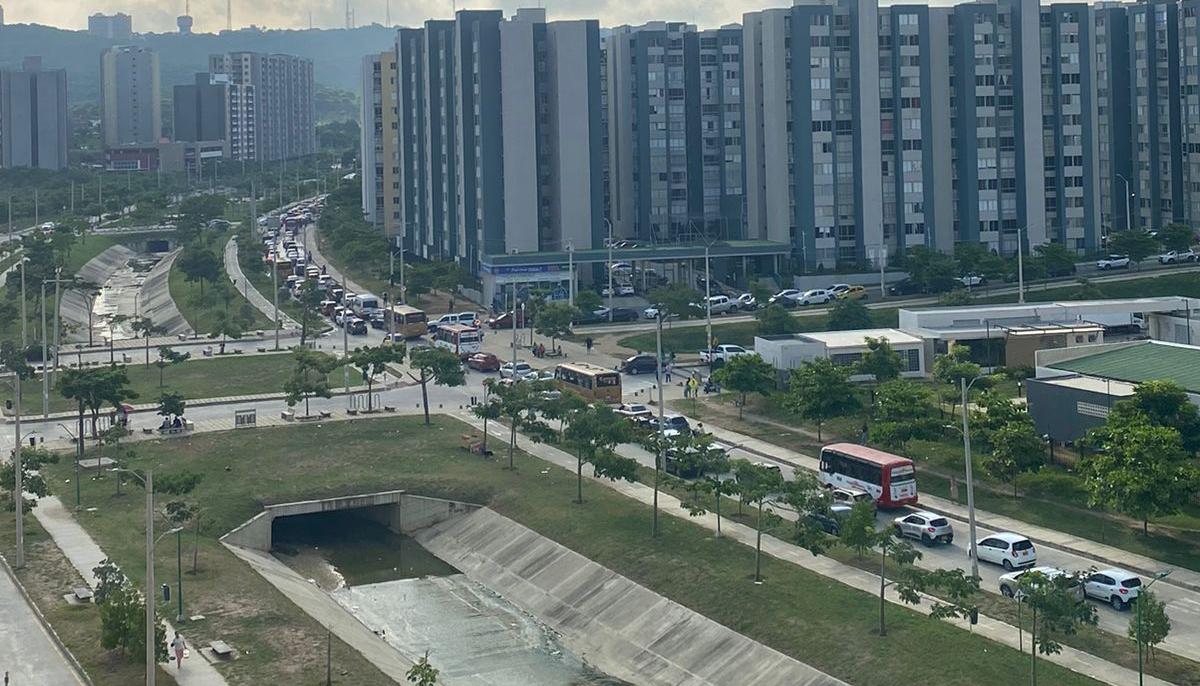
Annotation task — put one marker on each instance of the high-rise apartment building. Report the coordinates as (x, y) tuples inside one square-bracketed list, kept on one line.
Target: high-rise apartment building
[(117, 26), (674, 131), (813, 130), (484, 137), (215, 109), (34, 128), (283, 116), (130, 102)]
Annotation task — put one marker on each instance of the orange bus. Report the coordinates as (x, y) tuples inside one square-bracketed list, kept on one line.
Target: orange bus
[(408, 321), (594, 383)]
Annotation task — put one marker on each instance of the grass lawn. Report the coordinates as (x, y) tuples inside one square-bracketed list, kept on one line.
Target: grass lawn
[(689, 339), (804, 615), (201, 306), (1174, 540), (47, 577), (196, 378)]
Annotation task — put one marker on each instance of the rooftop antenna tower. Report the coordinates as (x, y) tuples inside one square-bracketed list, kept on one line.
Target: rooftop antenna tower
[(310, 20), (387, 13), (229, 15), (349, 16)]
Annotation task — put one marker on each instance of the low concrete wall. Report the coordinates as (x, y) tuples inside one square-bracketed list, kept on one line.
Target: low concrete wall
[(398, 511), (616, 625), (98, 270), (156, 299)]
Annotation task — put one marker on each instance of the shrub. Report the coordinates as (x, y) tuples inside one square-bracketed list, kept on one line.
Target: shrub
[(1052, 484), (179, 483)]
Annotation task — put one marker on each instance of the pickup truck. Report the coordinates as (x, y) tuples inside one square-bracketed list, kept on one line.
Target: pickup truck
[(1173, 256), (723, 353), (1113, 262)]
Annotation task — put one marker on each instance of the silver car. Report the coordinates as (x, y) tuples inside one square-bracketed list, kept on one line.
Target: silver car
[(1010, 583), (930, 528)]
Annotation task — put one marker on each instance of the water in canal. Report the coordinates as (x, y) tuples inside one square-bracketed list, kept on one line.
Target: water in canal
[(417, 602)]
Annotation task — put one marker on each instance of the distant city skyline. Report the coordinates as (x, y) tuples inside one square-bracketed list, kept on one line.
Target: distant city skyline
[(153, 16)]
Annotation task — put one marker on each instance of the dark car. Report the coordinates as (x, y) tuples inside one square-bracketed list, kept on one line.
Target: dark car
[(378, 321), (905, 287), (505, 321), (639, 364), (623, 314), (831, 522), (671, 422)]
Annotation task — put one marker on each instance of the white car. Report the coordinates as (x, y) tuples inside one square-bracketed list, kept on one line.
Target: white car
[(1010, 583), (717, 304), (971, 280), (1113, 262), (620, 290), (1173, 256), (816, 296), (928, 527), (635, 411), (520, 370), (1116, 587), (650, 313), (785, 297), (1007, 549), (745, 301)]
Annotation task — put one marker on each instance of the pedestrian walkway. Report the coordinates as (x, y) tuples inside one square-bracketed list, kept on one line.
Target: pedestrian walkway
[(85, 555), (234, 269), (28, 653), (995, 630)]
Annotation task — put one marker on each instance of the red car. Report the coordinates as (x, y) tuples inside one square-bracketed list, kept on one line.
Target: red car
[(505, 321), (484, 362)]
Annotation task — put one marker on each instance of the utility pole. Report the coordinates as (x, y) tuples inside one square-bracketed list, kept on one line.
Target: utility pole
[(18, 487), (1020, 266), (708, 304), (150, 666), (658, 457), (610, 271), (36, 217)]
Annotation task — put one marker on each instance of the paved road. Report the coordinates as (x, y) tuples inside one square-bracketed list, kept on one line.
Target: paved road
[(234, 269), (1148, 269), (312, 245), (28, 656)]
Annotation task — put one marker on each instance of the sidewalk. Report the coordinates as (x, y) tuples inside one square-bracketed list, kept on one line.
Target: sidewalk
[(85, 555), (234, 269), (995, 630), (1181, 577)]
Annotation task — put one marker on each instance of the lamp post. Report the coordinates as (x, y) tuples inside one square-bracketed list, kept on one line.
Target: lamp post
[(45, 353), (658, 457), (610, 270), (707, 305), (966, 432), (179, 570), (1140, 641), (1128, 195), (18, 487), (1020, 266)]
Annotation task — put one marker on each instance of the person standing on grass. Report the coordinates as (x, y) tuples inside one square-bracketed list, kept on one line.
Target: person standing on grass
[(178, 645)]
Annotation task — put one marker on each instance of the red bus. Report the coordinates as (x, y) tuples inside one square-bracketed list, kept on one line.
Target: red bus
[(890, 479)]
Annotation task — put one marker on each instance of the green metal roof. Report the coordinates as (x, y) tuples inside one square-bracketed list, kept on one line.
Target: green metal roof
[(659, 252), (1146, 362)]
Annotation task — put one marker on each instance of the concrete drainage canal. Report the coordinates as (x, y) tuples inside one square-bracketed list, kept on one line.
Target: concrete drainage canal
[(354, 550)]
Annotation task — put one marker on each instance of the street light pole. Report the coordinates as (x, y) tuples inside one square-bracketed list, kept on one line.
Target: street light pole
[(1128, 195), (966, 431), (1140, 639), (179, 570), (275, 290), (610, 270), (571, 274), (1021, 265), (18, 487), (150, 662), (658, 457)]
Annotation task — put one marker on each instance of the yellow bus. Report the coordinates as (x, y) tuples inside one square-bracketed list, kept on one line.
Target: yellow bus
[(592, 382), (408, 322)]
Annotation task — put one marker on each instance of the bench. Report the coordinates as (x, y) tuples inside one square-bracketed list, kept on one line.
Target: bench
[(287, 415), (221, 649), (83, 594), (172, 430), (325, 414)]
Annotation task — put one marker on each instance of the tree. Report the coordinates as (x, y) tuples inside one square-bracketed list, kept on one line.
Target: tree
[(756, 484), (33, 483), (1055, 610), (202, 208), (93, 389), (678, 299), (111, 438), (952, 366), (422, 673), (145, 329), (310, 298), (489, 409), (123, 615), (711, 464), (593, 433), (908, 580), (310, 377), (520, 403), (1016, 449), (199, 265), (1087, 290), (554, 321), (1057, 258), (438, 365), (588, 301), (1176, 237), (806, 497), (956, 298), (761, 291), (168, 357), (932, 270), (880, 360), (995, 411), (858, 528), (1166, 403), (903, 411), (171, 405), (848, 314), (1135, 243), (1139, 469), (373, 361), (225, 326), (746, 374), (774, 320), (820, 390), (1155, 623)]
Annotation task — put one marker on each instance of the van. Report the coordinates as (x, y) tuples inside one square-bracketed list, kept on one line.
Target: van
[(464, 318), (365, 304)]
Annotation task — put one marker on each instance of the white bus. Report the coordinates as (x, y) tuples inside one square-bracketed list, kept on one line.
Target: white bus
[(459, 339)]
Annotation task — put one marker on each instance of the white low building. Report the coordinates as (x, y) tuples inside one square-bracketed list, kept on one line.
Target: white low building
[(788, 351)]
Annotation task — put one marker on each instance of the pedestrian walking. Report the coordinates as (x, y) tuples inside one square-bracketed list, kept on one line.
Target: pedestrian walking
[(667, 372), (178, 645), (588, 342)]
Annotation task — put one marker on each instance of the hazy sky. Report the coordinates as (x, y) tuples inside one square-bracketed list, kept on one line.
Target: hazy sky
[(159, 15)]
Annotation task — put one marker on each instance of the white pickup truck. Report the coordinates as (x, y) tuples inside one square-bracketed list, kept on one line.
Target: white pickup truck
[(1113, 262), (1174, 256), (723, 353)]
